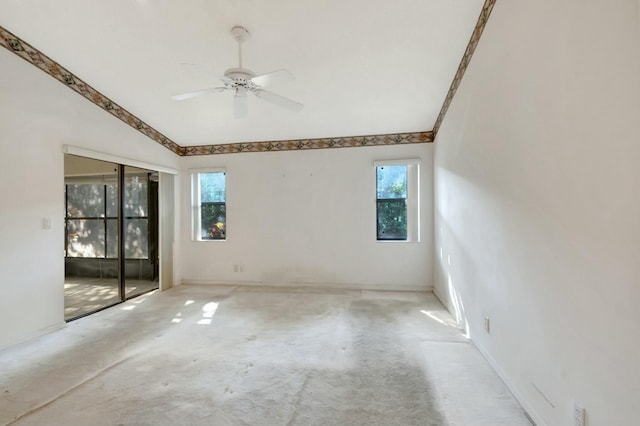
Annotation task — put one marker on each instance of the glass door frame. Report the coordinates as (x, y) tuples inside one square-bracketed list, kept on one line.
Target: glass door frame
[(121, 258)]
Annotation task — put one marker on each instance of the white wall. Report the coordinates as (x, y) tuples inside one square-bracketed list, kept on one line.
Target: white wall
[(38, 115), (538, 205), (308, 217)]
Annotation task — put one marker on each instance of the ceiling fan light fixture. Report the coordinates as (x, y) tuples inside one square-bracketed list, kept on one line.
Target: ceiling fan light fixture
[(240, 103)]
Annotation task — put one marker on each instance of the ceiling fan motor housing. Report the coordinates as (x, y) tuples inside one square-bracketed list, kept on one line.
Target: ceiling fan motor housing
[(241, 77)]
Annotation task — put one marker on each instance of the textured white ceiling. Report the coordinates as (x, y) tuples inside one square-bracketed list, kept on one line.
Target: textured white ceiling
[(362, 66)]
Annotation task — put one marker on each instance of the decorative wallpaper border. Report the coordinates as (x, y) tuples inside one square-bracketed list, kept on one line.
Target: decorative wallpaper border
[(464, 63), (303, 144), (35, 57)]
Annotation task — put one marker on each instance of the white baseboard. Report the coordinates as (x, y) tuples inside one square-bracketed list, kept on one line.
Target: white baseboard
[(34, 335), (329, 286), (442, 300), (534, 416)]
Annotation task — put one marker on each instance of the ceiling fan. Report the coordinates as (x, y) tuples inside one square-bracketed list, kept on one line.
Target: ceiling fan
[(243, 81)]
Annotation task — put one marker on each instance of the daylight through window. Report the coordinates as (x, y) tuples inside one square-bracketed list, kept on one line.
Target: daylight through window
[(92, 217), (397, 203), (210, 205)]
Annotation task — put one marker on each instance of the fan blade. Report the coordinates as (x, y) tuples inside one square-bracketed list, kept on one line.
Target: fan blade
[(273, 77), (240, 105), (188, 95), (279, 100)]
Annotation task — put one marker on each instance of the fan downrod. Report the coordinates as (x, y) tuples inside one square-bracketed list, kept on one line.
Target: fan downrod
[(241, 76)]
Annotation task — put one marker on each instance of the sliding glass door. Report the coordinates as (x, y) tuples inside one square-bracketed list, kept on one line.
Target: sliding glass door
[(104, 201), (91, 243), (140, 231)]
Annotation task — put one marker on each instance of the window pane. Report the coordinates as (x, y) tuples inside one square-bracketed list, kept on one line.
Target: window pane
[(214, 219), (135, 196), (136, 238), (212, 187), (85, 200), (112, 238), (392, 219), (112, 200), (85, 238), (391, 182)]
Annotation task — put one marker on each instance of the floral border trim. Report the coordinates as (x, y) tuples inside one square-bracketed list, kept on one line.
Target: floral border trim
[(304, 144), (35, 57), (464, 63)]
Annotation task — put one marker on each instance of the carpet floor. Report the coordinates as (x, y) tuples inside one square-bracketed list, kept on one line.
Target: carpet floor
[(212, 355)]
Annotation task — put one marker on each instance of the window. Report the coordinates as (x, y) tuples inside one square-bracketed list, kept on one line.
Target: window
[(397, 200), (91, 213), (209, 205), (136, 216), (92, 217)]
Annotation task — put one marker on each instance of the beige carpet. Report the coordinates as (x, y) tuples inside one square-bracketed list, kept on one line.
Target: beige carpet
[(200, 355)]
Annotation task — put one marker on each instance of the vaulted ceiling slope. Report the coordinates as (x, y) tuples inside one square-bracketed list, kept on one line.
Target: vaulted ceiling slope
[(363, 67)]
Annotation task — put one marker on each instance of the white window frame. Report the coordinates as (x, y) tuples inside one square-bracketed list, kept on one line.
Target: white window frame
[(196, 232), (413, 197)]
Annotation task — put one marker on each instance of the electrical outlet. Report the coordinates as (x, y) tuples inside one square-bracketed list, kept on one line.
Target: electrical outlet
[(578, 414), (487, 325)]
